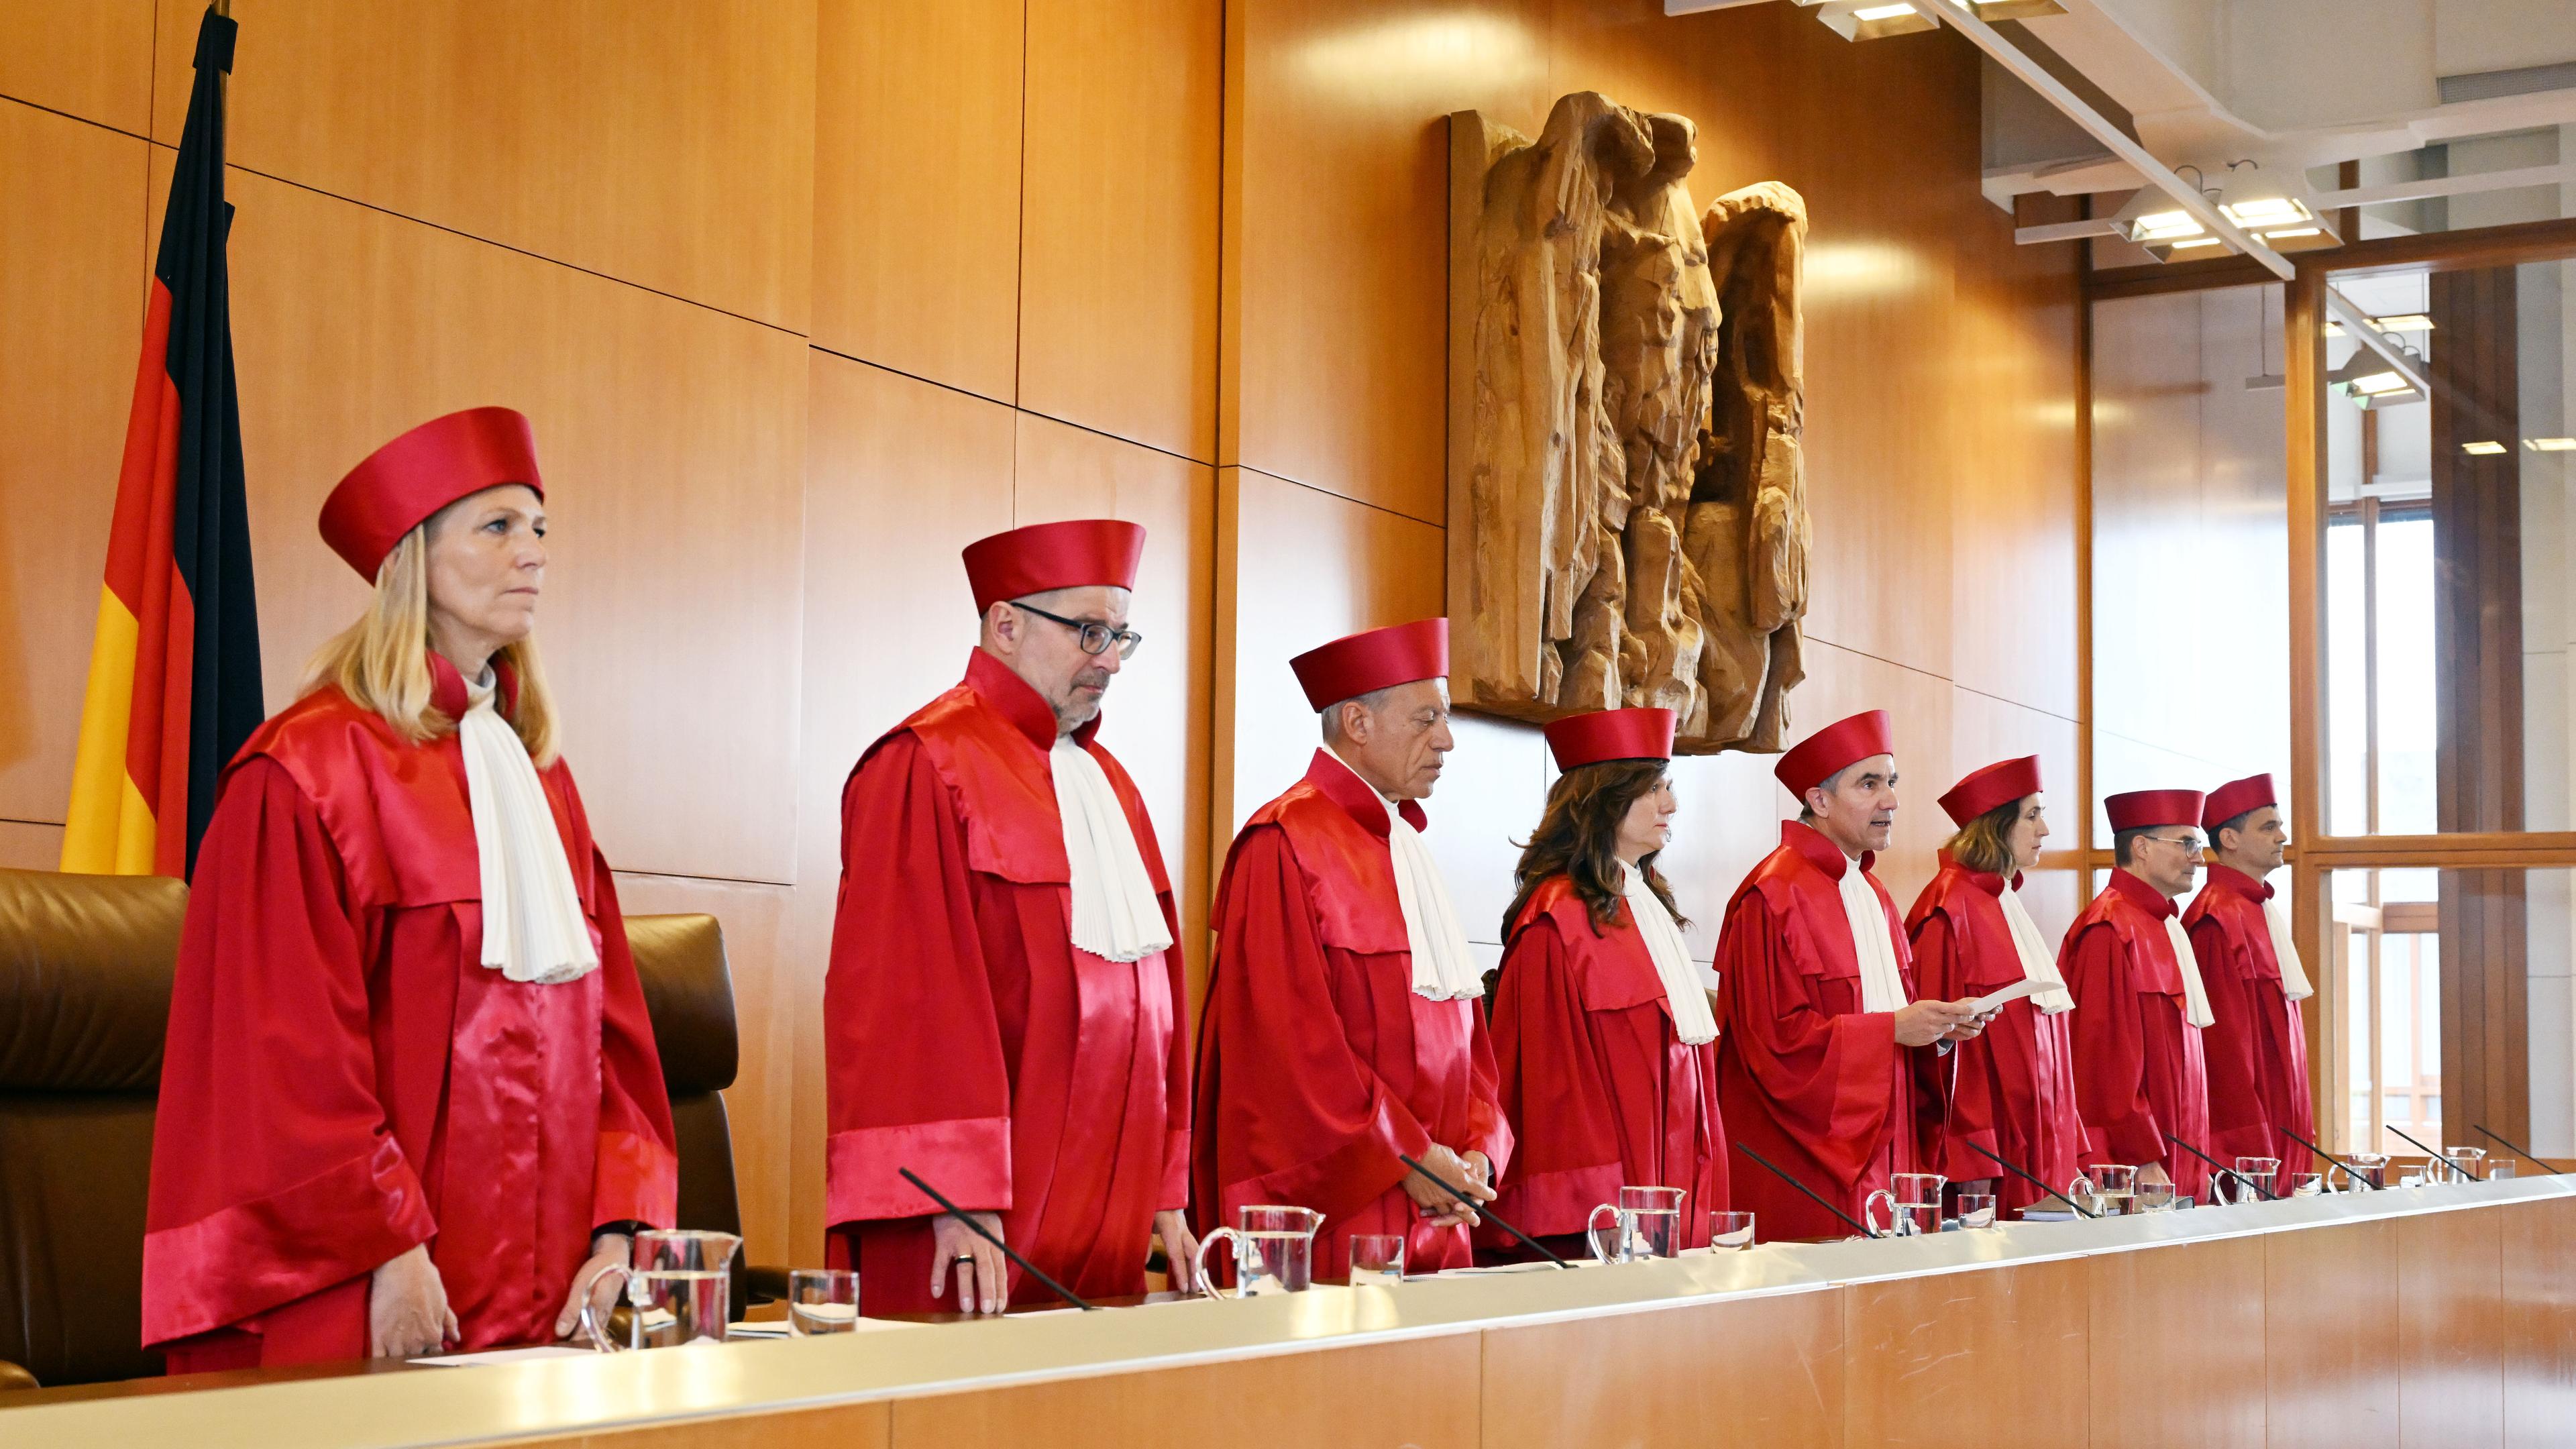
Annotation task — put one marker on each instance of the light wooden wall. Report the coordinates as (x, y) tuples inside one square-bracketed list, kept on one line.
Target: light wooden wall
[(805, 294)]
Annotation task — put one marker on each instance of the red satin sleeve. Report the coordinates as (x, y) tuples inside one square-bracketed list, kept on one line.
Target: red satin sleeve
[(1825, 1079), (1554, 1090), (1176, 1074), (275, 1174), (638, 1177), (2111, 1051), (2239, 1119)]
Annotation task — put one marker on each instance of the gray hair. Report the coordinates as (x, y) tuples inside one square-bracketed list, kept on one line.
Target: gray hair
[(1330, 716)]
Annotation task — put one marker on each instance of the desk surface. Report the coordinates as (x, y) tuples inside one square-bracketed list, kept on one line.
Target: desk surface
[(338, 1407)]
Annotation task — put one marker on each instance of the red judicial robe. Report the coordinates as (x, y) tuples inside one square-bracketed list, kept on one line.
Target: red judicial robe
[(346, 1079), (967, 1038), (1804, 1076), (2138, 1068), (1317, 1062), (2258, 1047), (1599, 1092), (2015, 1089)]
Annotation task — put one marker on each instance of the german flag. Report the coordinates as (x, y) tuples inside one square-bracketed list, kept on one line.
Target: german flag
[(174, 683)]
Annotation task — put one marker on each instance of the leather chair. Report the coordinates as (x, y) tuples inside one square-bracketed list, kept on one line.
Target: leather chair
[(85, 971)]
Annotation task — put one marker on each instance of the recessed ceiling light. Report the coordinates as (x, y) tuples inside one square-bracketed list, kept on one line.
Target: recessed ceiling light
[(2550, 445), (2482, 448), (2263, 211), (2403, 322), (1883, 12), (2188, 243)]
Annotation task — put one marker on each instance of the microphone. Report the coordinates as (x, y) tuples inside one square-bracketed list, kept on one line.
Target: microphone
[(1480, 1209), (2454, 1166), (2261, 1191), (2516, 1151), (2337, 1161), (1776, 1171), (1999, 1158), (1032, 1269)]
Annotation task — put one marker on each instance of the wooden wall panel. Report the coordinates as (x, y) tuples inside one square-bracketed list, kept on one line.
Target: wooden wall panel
[(668, 142), (2452, 1332), (672, 441), (916, 188), (29, 847), (2539, 1322), (2330, 1335), (1421, 1393), (85, 58), (1990, 1358), (1752, 1371), (72, 279), (1118, 225), (2174, 1338), (842, 1426)]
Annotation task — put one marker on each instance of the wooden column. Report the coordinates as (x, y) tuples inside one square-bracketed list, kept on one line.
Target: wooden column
[(2477, 643)]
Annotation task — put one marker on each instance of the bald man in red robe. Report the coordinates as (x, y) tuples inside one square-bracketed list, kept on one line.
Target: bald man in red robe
[(2257, 1048), (1343, 1028), (2140, 1007), (1002, 1012), (1826, 1065)]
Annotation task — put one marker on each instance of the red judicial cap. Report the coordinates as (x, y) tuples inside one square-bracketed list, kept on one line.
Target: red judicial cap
[(1997, 784), (1077, 553), (2141, 809), (2235, 798), (1611, 734), (402, 483), (1829, 749), (1376, 659)]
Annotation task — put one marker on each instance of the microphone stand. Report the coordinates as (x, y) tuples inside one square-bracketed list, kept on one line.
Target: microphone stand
[(2000, 1160), (1480, 1209), (1032, 1269), (2337, 1161), (2439, 1157), (2261, 1191), (2516, 1151), (1775, 1170)]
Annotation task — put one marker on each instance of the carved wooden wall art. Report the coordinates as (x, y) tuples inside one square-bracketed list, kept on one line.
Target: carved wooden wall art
[(1627, 511)]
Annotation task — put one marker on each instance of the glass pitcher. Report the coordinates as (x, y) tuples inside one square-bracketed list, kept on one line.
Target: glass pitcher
[(678, 1282), (1274, 1251), (1646, 1222), (1913, 1206), (2357, 1170), (2109, 1188)]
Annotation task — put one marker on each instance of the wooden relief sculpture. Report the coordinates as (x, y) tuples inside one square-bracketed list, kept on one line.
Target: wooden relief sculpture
[(1627, 514)]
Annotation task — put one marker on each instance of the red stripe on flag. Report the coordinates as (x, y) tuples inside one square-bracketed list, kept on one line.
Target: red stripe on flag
[(147, 443), (156, 739)]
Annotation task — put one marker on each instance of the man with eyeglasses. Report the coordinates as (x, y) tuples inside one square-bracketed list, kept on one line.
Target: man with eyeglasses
[(2258, 1050), (2140, 1007), (1002, 1014)]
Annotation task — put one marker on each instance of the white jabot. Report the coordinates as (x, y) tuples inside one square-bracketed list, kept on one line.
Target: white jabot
[(1116, 914), (1882, 986), (1671, 955), (533, 928), (2195, 997), (1444, 969), (2294, 972), (2037, 964)]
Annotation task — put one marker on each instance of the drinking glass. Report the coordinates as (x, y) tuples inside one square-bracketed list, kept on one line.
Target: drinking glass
[(1913, 1206), (677, 1282), (2358, 1169), (2412, 1179), (2464, 1166), (2307, 1184), (822, 1300), (1976, 1210), (2253, 1180), (2500, 1169), (2108, 1186), (1377, 1258), (2152, 1197), (1646, 1220), (1730, 1232), (1274, 1251)]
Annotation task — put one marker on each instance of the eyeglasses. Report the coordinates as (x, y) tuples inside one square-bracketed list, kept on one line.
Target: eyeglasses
[(1096, 636), (2187, 842)]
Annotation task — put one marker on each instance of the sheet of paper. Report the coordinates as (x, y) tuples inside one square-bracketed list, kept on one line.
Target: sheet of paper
[(2015, 992), (503, 1355), (777, 1328)]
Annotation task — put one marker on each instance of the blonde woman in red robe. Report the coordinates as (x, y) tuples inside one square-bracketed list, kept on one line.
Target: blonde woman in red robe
[(2014, 1092), (1603, 1036), (410, 1097)]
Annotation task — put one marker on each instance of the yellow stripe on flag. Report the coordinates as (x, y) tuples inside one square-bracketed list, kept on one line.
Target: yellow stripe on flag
[(109, 828)]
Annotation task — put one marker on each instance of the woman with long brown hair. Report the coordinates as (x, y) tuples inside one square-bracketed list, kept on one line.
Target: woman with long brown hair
[(1602, 1030), (2015, 1090)]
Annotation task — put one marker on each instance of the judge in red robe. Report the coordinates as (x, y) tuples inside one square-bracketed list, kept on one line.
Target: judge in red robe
[(2140, 1006), (1002, 1011), (2014, 1093), (1342, 1027), (1603, 1035), (410, 1093), (1826, 1065), (2259, 1103)]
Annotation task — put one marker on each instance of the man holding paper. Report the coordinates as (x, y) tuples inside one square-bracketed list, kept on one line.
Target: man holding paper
[(2139, 1003), (1826, 1065), (2258, 1046)]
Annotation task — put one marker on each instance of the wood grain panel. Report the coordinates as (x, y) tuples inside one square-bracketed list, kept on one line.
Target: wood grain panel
[(2174, 1336), (899, 476), (72, 279), (85, 58), (2330, 1335), (917, 188), (1118, 225), (668, 143), (671, 438), (842, 1426), (1420, 1393), (1929, 1358), (1158, 725), (1752, 1371), (2452, 1333), (1336, 229), (29, 847), (2539, 1321)]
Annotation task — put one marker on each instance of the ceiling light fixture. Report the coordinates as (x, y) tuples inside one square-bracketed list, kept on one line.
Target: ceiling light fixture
[(2403, 322), (1857, 20), (2480, 449), (2550, 445)]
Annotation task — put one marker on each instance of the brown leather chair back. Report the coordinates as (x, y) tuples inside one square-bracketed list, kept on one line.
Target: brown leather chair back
[(688, 991), (85, 966)]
